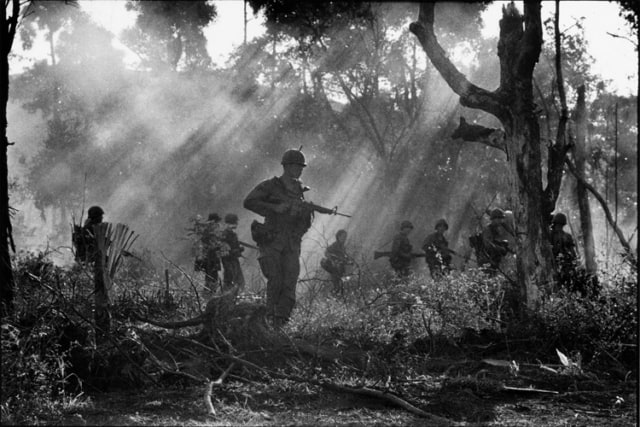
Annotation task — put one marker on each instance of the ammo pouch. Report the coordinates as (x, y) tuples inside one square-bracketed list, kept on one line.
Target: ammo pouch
[(261, 234)]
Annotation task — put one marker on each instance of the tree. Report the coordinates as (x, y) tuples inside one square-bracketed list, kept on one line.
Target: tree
[(10, 23), (170, 33), (512, 104)]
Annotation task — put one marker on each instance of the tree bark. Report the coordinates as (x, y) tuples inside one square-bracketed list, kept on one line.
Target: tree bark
[(6, 239), (579, 152), (512, 103)]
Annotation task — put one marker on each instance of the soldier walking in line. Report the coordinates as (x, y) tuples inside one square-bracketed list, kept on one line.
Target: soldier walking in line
[(494, 243), (401, 250), (437, 252), (212, 248), (336, 260), (231, 262), (84, 238), (280, 201)]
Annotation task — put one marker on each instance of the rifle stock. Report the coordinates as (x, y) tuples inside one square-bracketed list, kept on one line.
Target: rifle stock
[(378, 254)]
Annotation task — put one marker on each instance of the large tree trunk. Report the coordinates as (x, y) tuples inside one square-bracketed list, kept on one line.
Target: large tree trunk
[(582, 194), (6, 239), (512, 103)]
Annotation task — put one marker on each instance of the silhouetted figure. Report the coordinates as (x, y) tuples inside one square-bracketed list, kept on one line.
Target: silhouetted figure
[(335, 261), (279, 201), (211, 246), (401, 250), (231, 262), (84, 238), (494, 243), (436, 249)]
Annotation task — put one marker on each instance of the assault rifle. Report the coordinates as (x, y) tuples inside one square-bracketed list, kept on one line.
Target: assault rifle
[(317, 208), (378, 254), (247, 245)]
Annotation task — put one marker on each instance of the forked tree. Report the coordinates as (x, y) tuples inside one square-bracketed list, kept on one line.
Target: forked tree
[(512, 103)]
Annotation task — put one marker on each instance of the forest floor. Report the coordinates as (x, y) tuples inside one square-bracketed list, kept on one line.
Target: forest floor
[(465, 393)]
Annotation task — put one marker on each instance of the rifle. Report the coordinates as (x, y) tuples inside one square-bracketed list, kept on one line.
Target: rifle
[(317, 208), (247, 245), (378, 254)]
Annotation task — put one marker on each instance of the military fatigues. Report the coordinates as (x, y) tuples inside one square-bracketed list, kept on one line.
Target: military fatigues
[(335, 262), (212, 264), (232, 272), (494, 247), (401, 255), (279, 240), (437, 254)]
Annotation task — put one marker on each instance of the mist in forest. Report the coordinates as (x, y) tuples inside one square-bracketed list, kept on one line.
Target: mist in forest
[(157, 147)]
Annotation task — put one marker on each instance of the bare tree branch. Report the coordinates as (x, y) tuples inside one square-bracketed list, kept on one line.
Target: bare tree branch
[(471, 95)]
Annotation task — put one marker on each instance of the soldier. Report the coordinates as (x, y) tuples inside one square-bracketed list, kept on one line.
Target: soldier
[(562, 244), (437, 252), (84, 239), (210, 243), (280, 201), (401, 250), (335, 261), (494, 243), (232, 272)]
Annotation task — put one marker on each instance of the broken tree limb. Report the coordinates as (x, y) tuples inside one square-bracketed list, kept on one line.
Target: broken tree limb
[(476, 133), (363, 391)]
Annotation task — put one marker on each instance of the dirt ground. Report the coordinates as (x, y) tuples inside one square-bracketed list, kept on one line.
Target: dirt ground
[(471, 394)]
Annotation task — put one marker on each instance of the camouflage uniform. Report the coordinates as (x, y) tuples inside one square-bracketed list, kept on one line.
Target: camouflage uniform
[(279, 243), (437, 254), (232, 272)]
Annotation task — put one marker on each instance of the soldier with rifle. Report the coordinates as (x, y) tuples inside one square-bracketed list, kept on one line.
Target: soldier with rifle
[(232, 275), (335, 261), (84, 239), (494, 244), (402, 251), (280, 200), (437, 252)]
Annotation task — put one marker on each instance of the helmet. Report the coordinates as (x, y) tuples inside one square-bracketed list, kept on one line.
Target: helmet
[(231, 219), (213, 217), (497, 214), (442, 222), (559, 218), (405, 224), (95, 212), (341, 232), (293, 157)]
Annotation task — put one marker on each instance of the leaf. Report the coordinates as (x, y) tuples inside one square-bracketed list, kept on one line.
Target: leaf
[(564, 359), (494, 362)]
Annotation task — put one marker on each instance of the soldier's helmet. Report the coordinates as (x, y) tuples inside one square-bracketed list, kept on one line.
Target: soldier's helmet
[(95, 212), (497, 213), (341, 232), (442, 222), (560, 219), (405, 224), (231, 219), (213, 217), (293, 157)]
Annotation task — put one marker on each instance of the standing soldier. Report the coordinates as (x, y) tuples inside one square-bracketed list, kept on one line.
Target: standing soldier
[(437, 252), (280, 200), (335, 261), (84, 238), (232, 272), (495, 244), (564, 253), (401, 255), (211, 245)]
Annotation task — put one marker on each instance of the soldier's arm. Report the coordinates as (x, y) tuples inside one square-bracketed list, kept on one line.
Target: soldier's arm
[(256, 201)]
